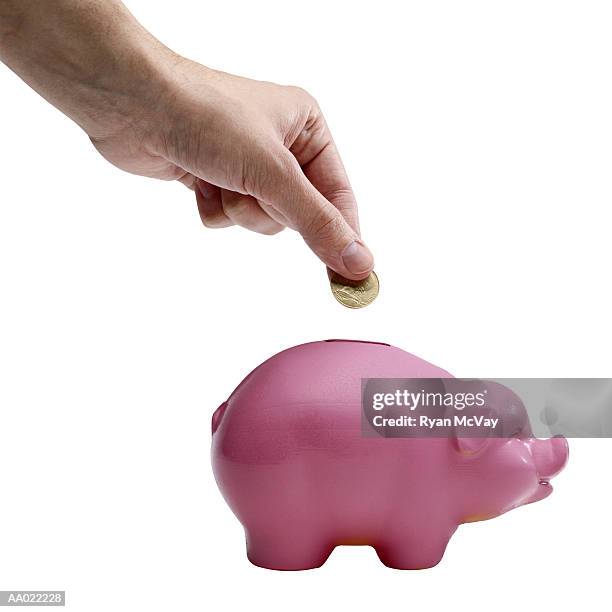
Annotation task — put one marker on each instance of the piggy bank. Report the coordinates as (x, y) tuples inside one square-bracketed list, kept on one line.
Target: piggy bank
[(292, 461)]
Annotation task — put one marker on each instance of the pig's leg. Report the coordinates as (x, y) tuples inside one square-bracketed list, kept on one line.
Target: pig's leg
[(282, 550), (412, 551)]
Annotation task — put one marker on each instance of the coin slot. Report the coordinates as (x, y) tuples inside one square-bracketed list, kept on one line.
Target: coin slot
[(360, 341)]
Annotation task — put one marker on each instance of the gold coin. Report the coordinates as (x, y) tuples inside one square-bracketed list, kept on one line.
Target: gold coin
[(354, 294)]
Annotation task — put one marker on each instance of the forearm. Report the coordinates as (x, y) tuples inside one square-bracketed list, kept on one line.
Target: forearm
[(89, 58)]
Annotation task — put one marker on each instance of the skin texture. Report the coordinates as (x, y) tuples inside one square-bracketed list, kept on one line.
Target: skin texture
[(256, 154)]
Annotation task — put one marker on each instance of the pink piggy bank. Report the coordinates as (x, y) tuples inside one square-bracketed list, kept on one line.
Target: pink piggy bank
[(292, 462)]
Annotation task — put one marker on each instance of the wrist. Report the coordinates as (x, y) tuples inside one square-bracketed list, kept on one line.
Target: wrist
[(188, 101)]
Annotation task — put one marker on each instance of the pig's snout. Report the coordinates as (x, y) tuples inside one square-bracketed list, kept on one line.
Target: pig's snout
[(549, 456)]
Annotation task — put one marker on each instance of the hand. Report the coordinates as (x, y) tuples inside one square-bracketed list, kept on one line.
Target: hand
[(258, 155)]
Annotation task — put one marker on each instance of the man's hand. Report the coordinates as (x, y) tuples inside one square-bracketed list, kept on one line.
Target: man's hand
[(258, 155)]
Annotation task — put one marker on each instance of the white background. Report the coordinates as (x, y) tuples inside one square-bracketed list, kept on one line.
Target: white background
[(477, 136)]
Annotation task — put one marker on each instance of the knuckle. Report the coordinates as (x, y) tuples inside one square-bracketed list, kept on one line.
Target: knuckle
[(237, 207), (272, 230), (300, 92), (306, 99), (214, 220), (211, 223)]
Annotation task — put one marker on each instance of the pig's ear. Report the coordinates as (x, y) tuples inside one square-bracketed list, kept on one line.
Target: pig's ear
[(471, 441), (469, 446), (467, 442)]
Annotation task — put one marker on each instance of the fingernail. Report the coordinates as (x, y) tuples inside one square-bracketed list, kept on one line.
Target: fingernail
[(357, 258)]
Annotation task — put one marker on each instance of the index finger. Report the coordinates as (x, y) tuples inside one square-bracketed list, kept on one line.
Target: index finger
[(325, 170)]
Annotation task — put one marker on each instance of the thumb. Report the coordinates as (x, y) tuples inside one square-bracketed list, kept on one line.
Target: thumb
[(320, 223), (336, 244)]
